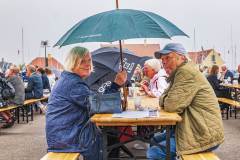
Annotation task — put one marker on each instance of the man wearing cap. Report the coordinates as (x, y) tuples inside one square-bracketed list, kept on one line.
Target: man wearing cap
[(191, 96)]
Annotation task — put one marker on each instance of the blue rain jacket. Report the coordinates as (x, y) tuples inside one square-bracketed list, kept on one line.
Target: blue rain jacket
[(68, 125)]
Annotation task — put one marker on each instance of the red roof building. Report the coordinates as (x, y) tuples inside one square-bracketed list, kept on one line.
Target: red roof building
[(138, 49), (52, 63)]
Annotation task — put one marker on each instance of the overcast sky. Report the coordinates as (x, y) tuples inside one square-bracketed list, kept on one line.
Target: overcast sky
[(213, 21)]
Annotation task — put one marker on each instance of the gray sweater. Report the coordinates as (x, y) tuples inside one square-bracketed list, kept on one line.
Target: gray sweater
[(18, 85)]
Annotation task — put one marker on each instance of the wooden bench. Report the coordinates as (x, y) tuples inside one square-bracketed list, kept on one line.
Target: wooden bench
[(7, 108), (30, 102), (230, 102), (201, 156), (61, 156), (12, 107)]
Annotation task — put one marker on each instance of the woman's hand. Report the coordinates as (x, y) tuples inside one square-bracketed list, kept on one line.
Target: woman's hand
[(121, 78), (147, 91), (144, 88)]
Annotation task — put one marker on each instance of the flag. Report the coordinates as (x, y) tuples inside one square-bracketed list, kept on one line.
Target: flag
[(18, 52)]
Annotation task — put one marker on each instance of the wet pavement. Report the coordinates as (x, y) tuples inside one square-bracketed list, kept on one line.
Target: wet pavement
[(27, 141)]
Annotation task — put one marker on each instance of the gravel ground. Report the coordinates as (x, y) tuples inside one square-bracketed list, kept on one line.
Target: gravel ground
[(27, 141)]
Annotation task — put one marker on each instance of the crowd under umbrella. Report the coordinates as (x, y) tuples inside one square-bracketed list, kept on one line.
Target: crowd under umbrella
[(106, 63), (117, 25)]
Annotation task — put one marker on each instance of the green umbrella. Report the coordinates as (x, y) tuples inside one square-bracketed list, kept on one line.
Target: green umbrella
[(120, 24)]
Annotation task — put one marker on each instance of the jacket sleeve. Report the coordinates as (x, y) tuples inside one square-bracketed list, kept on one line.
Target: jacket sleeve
[(161, 86), (181, 94), (29, 85), (216, 83), (80, 96)]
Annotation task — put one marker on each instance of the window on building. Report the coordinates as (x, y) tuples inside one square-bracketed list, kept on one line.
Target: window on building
[(213, 59)]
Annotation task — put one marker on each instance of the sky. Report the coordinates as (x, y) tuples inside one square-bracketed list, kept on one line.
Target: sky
[(216, 24)]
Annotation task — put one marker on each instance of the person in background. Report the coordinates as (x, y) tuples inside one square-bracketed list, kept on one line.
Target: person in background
[(204, 70), (68, 125), (51, 77), (238, 71), (218, 89), (226, 74), (12, 75), (215, 83), (34, 87), (157, 75), (137, 75), (45, 80), (191, 96), (1, 73)]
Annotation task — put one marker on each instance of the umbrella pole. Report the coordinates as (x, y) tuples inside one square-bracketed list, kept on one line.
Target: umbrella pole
[(116, 4), (125, 92), (121, 53)]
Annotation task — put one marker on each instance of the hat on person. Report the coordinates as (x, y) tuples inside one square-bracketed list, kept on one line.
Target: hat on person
[(171, 47)]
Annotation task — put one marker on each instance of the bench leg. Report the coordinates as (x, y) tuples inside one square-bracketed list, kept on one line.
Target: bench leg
[(227, 112), (31, 113), (235, 108), (18, 112), (27, 114), (23, 114)]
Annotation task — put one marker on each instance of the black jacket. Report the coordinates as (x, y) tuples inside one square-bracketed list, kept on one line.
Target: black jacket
[(218, 89)]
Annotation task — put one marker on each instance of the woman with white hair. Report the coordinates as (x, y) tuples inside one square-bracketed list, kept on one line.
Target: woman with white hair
[(68, 125), (157, 75)]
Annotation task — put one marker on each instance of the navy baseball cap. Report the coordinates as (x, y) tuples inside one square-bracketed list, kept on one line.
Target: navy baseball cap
[(171, 47)]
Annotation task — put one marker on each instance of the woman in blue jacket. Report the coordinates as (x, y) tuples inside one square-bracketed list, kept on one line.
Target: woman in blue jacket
[(68, 128)]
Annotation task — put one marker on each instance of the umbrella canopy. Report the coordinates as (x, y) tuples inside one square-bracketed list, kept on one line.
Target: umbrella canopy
[(110, 57), (120, 24), (100, 79), (106, 63)]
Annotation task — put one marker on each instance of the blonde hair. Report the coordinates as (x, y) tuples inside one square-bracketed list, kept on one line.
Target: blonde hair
[(74, 57), (14, 69)]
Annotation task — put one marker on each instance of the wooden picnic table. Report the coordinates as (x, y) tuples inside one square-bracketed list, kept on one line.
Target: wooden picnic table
[(163, 119), (236, 86)]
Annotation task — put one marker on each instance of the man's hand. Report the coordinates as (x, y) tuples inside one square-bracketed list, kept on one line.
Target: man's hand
[(121, 78)]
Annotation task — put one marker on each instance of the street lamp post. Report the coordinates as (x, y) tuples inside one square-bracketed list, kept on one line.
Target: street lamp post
[(45, 45)]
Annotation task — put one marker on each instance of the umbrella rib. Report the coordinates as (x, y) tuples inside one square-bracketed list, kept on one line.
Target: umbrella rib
[(71, 31), (96, 27), (168, 35), (132, 19)]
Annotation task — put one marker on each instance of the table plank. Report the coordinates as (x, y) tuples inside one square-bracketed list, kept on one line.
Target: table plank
[(237, 86), (164, 118), (7, 108), (229, 101)]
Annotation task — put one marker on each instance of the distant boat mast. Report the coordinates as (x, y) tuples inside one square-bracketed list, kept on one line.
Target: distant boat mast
[(22, 48), (194, 39), (232, 52)]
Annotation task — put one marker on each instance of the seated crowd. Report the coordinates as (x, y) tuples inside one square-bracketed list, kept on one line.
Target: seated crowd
[(37, 82), (171, 77)]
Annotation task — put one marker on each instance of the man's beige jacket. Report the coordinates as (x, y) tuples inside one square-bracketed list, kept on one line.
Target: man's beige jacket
[(192, 97)]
